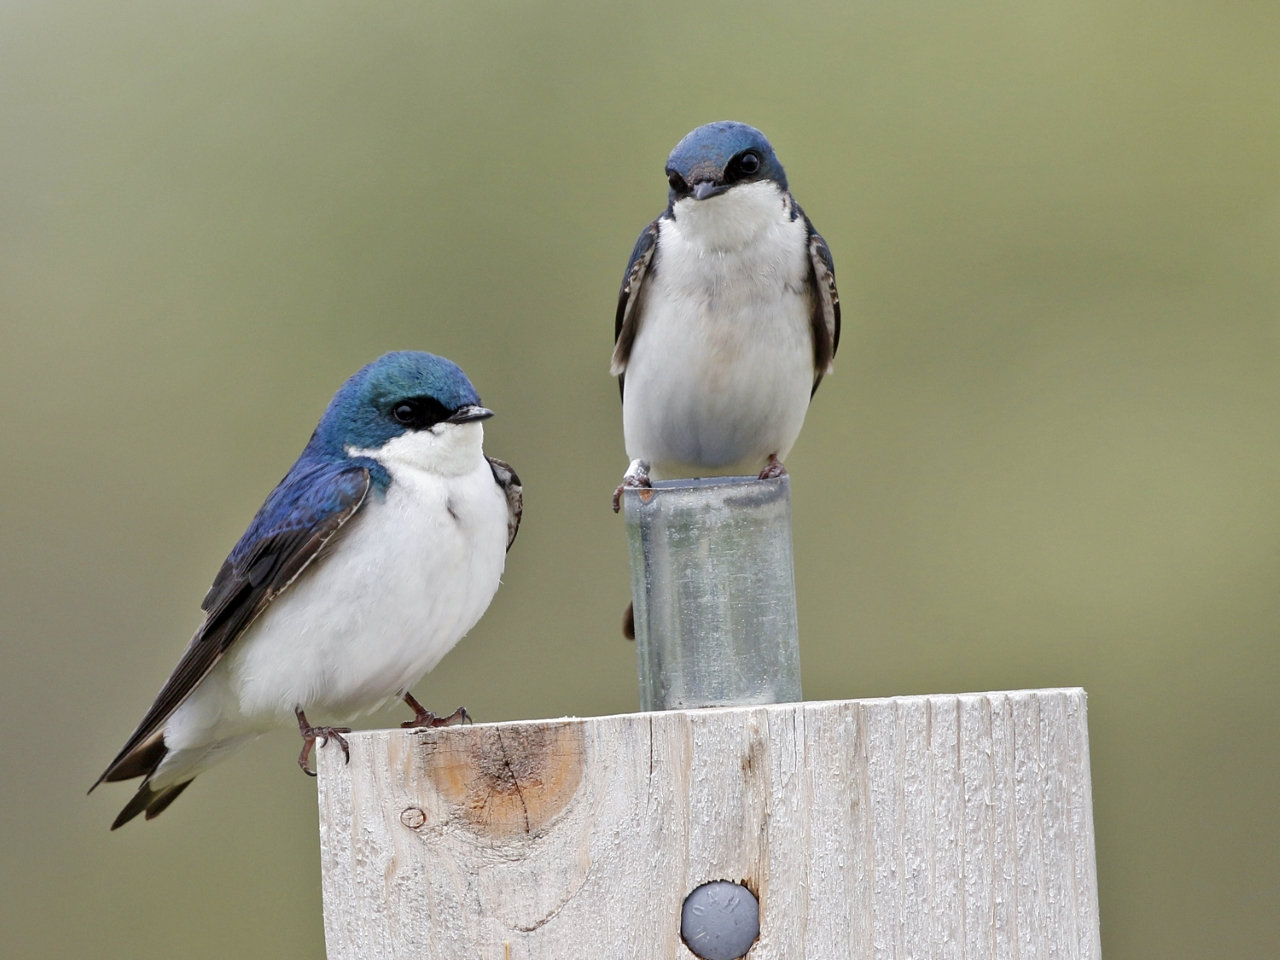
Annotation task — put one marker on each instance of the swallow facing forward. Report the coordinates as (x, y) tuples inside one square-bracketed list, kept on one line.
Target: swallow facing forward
[(728, 316)]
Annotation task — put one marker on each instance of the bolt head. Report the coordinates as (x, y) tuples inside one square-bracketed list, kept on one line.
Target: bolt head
[(720, 920)]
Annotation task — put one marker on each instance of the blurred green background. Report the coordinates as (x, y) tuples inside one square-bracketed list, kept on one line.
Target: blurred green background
[(1048, 455)]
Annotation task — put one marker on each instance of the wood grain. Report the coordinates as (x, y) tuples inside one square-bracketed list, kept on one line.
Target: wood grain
[(955, 826)]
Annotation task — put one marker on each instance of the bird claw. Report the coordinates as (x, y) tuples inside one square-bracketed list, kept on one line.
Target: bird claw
[(422, 717), (311, 734), (637, 475), (773, 469)]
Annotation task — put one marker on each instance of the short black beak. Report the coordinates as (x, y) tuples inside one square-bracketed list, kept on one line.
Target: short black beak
[(708, 188), (470, 412)]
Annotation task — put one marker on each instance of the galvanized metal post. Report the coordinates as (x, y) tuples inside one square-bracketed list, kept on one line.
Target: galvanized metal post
[(713, 587)]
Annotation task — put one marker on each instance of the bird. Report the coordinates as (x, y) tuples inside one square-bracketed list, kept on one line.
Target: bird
[(728, 316), (381, 548)]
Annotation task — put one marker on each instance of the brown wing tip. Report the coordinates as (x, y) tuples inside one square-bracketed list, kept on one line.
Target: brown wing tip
[(138, 761)]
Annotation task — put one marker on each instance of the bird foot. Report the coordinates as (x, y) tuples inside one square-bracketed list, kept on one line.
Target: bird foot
[(773, 468), (637, 475), (422, 717), (311, 734)]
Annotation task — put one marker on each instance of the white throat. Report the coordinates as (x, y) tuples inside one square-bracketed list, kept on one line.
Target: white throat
[(732, 220), (446, 449)]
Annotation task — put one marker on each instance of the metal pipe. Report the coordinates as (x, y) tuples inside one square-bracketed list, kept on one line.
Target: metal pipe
[(713, 588)]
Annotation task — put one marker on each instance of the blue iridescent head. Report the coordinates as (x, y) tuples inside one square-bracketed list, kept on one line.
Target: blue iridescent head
[(718, 156), (396, 394)]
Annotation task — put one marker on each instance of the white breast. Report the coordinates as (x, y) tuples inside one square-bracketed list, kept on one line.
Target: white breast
[(402, 582), (721, 371)]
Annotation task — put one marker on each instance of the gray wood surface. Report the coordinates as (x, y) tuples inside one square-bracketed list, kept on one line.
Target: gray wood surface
[(956, 826)]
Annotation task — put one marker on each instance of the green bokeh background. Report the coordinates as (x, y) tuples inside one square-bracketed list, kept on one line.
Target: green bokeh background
[(1048, 455)]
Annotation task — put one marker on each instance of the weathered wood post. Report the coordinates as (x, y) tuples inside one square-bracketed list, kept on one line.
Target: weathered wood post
[(955, 826)]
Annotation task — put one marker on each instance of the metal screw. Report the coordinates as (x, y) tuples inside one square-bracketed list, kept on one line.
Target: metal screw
[(720, 920), (412, 817)]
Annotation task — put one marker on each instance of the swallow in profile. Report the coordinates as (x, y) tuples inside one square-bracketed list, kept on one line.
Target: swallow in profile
[(381, 547)]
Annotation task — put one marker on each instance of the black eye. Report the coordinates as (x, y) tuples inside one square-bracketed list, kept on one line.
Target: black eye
[(746, 165), (418, 413), (677, 182)]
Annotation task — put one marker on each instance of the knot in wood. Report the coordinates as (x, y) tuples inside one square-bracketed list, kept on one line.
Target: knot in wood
[(512, 782)]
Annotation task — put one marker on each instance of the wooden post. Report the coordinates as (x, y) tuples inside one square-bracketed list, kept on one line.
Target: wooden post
[(911, 827)]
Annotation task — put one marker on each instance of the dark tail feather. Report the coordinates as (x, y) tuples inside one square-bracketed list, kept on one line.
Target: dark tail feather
[(166, 797), (153, 802)]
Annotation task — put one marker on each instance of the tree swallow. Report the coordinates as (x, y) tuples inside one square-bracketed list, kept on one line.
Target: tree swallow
[(380, 548), (728, 316)]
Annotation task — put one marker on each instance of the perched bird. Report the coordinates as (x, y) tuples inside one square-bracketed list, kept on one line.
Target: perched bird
[(727, 319), (377, 552)]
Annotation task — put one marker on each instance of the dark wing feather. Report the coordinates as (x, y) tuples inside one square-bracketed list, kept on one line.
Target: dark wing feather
[(509, 481), (825, 320), (300, 516), (627, 320)]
